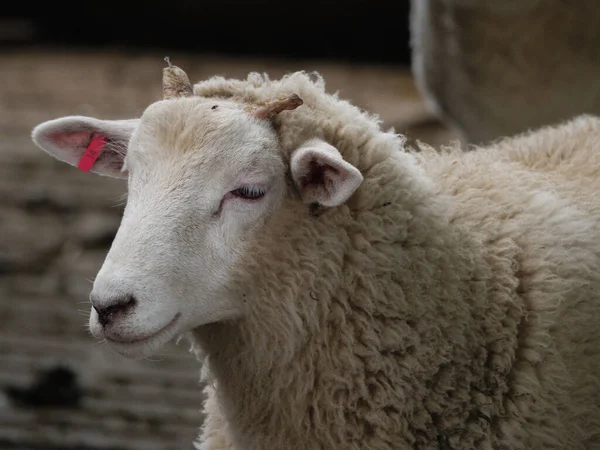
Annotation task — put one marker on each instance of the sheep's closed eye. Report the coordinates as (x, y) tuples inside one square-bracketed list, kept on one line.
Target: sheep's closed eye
[(248, 192)]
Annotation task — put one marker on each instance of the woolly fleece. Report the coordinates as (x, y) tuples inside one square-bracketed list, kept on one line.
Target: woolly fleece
[(491, 68), (451, 303)]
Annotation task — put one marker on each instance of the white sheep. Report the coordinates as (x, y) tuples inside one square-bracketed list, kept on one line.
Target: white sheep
[(347, 293), (493, 68)]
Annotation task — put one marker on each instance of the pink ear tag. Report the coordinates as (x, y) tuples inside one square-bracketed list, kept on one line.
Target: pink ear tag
[(91, 153)]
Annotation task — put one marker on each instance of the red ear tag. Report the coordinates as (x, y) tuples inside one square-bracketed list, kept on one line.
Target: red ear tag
[(91, 154)]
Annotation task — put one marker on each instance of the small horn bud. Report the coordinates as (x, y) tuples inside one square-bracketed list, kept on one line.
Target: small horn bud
[(274, 107), (176, 83)]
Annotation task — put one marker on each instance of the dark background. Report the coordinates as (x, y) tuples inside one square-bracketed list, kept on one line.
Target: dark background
[(358, 31)]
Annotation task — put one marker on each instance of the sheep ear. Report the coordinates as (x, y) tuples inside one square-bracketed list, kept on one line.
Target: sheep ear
[(90, 144), (321, 174)]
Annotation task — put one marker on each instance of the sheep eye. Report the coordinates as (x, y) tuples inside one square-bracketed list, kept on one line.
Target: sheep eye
[(248, 193)]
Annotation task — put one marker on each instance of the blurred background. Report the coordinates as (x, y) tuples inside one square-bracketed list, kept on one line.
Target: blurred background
[(59, 389)]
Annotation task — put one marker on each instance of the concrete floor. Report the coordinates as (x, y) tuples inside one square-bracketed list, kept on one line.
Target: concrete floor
[(56, 225)]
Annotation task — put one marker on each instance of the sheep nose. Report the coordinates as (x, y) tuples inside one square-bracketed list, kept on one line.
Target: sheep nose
[(108, 313)]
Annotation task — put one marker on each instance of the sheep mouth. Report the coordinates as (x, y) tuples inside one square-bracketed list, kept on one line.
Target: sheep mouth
[(145, 339)]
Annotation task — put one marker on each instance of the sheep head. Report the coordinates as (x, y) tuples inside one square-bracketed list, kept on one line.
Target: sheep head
[(205, 176)]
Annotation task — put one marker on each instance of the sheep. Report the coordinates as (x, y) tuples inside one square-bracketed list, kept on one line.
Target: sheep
[(346, 292), (494, 68)]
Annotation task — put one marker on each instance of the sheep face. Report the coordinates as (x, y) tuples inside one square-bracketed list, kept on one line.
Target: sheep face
[(203, 176)]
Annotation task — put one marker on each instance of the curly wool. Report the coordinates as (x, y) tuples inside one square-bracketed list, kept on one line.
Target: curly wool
[(452, 303)]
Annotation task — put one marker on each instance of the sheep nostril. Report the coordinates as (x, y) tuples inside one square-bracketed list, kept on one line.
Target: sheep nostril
[(108, 313)]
